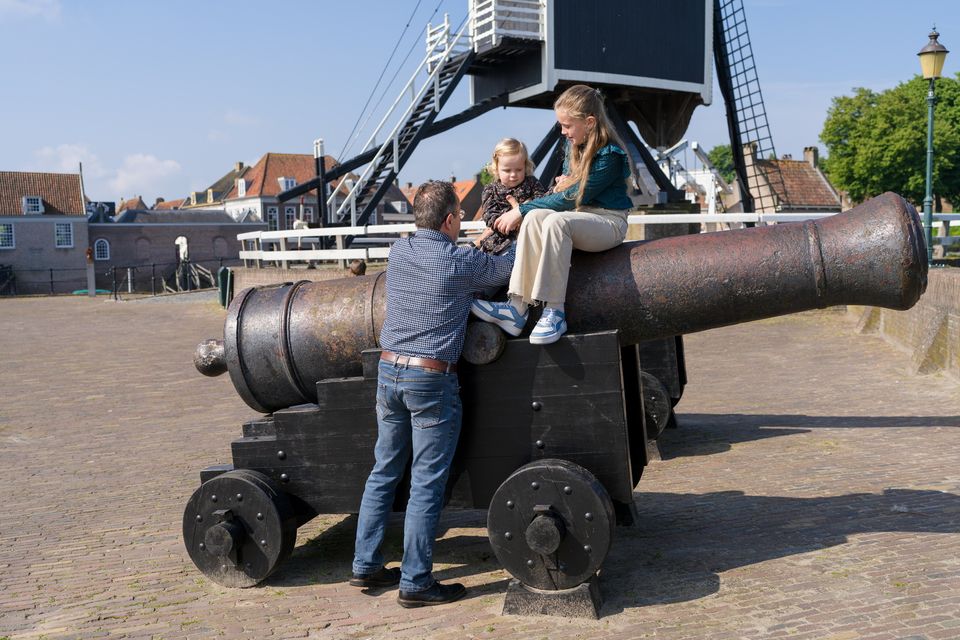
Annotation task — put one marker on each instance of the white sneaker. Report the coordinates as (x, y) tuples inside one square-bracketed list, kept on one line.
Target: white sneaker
[(501, 314), (551, 325)]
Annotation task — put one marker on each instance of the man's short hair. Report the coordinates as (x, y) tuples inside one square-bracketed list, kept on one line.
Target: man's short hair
[(434, 200)]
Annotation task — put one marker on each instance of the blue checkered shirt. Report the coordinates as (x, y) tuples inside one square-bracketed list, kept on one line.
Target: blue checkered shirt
[(430, 285)]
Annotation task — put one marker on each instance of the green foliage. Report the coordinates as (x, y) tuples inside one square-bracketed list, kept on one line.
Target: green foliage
[(485, 176), (722, 159), (877, 142)]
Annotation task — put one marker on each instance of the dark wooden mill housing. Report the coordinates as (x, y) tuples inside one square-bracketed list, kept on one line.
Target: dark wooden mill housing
[(556, 458)]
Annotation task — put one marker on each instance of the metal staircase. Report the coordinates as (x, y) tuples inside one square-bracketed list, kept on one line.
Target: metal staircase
[(761, 182), (447, 59)]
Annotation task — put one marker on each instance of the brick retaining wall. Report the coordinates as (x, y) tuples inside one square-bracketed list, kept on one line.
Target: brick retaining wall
[(930, 330)]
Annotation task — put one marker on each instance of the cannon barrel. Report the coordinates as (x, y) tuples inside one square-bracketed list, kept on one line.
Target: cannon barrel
[(280, 340)]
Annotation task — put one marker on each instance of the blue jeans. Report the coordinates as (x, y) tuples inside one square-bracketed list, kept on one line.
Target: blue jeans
[(418, 415)]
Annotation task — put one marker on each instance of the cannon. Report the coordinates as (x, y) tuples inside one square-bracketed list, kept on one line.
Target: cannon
[(556, 458)]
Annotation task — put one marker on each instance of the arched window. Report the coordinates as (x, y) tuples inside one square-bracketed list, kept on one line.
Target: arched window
[(101, 249)]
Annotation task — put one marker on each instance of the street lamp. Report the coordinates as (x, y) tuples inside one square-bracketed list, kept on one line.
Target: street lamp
[(931, 63)]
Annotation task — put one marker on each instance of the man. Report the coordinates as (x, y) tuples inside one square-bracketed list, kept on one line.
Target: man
[(430, 286)]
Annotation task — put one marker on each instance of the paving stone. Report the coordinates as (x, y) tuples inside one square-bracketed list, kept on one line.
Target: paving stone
[(811, 491)]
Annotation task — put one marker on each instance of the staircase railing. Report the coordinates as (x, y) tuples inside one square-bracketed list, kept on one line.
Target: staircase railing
[(491, 20), (440, 47)]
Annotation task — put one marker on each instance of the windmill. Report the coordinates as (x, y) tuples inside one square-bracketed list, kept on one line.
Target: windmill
[(653, 60)]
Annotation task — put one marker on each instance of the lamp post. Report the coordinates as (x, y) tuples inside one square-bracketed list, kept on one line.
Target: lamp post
[(932, 57)]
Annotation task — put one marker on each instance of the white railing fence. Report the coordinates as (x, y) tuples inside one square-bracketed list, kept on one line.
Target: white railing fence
[(372, 242)]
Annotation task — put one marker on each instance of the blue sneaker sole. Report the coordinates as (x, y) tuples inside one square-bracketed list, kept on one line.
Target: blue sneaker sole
[(507, 325), (549, 338)]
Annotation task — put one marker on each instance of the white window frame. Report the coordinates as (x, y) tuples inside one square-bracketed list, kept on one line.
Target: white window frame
[(67, 238), (32, 204), (101, 243), (289, 216), (273, 218), (287, 183), (308, 214), (8, 233), (241, 188)]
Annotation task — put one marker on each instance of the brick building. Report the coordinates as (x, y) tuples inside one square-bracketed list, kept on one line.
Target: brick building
[(43, 232), (804, 187), (144, 244), (254, 195)]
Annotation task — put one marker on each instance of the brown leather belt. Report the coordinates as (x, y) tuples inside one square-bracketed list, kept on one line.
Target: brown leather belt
[(424, 363)]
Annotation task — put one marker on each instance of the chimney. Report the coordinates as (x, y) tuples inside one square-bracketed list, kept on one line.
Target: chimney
[(750, 153), (238, 167), (812, 155), (159, 200), (787, 156), (409, 185), (453, 178)]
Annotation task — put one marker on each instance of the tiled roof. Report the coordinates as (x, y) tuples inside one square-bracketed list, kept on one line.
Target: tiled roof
[(464, 187), (806, 187), (468, 191), (167, 205), (60, 192), (135, 203), (262, 177)]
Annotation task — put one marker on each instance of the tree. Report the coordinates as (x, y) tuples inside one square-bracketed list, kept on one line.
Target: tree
[(721, 157), (485, 176), (877, 142)]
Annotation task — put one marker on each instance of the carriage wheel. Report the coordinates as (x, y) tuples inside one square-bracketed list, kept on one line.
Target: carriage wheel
[(551, 524), (238, 527), (657, 408)]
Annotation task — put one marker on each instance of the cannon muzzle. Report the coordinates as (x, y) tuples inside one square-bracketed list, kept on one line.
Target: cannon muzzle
[(280, 340)]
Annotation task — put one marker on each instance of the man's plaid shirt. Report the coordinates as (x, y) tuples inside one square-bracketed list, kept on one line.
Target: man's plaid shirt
[(431, 283)]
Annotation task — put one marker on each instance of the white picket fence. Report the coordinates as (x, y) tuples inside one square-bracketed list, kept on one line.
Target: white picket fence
[(372, 242)]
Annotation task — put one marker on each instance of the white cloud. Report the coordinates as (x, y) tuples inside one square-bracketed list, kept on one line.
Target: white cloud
[(236, 118), (66, 158), (46, 9), (215, 135), (142, 172)]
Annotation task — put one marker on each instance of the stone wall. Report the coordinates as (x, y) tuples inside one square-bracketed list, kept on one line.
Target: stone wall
[(930, 330)]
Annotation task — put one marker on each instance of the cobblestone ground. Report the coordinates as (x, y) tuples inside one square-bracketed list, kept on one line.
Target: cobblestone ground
[(812, 491)]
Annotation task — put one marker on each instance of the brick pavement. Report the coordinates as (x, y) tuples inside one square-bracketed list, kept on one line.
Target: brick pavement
[(812, 491)]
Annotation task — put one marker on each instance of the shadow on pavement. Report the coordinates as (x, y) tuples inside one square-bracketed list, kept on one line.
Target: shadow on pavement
[(684, 541), (703, 434)]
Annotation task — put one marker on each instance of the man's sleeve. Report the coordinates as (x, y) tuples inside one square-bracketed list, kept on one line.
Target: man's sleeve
[(490, 270)]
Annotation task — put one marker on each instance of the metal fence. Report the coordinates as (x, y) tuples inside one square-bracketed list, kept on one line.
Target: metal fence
[(154, 278)]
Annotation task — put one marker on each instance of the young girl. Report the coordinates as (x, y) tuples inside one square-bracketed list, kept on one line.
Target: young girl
[(512, 171), (587, 211)]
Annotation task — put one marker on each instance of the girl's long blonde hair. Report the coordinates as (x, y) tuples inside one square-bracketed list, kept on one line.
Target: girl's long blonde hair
[(581, 101), (510, 147)]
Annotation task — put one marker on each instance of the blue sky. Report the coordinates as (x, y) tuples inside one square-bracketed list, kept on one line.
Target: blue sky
[(161, 98)]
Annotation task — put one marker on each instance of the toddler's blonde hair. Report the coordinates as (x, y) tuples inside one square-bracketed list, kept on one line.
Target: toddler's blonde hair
[(510, 147)]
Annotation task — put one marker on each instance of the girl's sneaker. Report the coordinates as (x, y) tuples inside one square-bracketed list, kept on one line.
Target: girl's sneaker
[(551, 325), (501, 314)]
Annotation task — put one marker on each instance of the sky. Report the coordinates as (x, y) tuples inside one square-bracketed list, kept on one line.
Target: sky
[(161, 98)]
